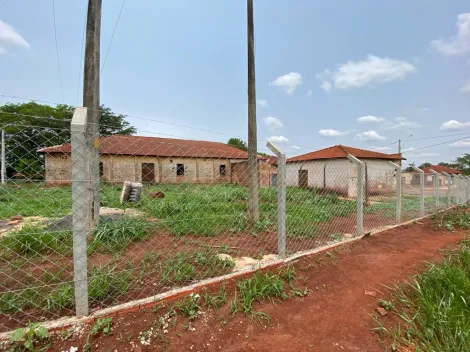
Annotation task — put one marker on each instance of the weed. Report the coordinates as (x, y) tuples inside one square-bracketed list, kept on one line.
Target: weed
[(108, 282), (387, 305), (215, 301), (33, 240), (288, 273), (115, 235), (9, 303), (62, 297), (190, 307), (177, 269), (28, 337), (260, 286), (102, 325)]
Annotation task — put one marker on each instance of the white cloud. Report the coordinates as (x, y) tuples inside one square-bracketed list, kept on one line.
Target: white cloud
[(273, 123), (372, 70), (278, 139), (309, 92), (402, 123), (382, 149), (262, 102), (460, 144), (370, 119), (8, 35), (465, 88), (295, 147), (458, 44), (288, 82), (331, 133), (326, 86), (369, 136), (3, 51), (454, 125)]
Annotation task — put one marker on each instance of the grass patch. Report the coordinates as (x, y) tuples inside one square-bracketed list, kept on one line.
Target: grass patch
[(260, 286), (435, 306), (33, 240), (451, 220), (115, 235)]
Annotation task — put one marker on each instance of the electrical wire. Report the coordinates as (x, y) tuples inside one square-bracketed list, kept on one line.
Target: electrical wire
[(57, 50), (434, 145), (112, 36)]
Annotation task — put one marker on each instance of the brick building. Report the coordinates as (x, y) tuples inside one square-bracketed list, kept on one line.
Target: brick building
[(158, 160)]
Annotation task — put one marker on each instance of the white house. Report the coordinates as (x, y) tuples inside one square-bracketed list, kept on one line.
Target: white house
[(330, 169)]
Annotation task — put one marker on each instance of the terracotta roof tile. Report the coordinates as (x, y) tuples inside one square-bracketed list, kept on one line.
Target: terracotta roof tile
[(341, 151), (440, 169), (153, 146)]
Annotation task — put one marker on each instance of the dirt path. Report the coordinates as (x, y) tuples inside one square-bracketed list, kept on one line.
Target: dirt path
[(334, 316)]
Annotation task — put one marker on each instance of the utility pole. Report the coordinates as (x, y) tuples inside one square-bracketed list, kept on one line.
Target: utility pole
[(399, 150), (3, 170), (91, 100), (253, 186)]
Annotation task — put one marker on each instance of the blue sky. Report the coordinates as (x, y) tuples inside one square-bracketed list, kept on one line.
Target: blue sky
[(358, 73)]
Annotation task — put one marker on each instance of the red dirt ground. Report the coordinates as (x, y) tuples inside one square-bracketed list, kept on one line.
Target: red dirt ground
[(334, 316)]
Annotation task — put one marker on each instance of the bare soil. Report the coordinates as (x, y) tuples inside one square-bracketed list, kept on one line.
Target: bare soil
[(336, 315)]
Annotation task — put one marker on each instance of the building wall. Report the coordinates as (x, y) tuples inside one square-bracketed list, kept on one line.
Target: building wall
[(265, 172), (340, 175), (120, 168)]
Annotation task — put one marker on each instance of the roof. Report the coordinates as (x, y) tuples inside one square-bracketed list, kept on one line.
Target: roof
[(440, 169), (341, 151), (270, 159), (154, 146)]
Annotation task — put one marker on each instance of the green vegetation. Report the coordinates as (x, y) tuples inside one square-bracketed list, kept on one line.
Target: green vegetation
[(435, 306), (33, 240), (452, 219), (189, 306), (215, 301), (260, 286), (116, 234), (27, 338)]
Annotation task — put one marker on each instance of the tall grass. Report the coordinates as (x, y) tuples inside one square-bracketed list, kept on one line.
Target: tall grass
[(436, 305)]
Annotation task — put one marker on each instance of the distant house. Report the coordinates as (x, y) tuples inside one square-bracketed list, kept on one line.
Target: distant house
[(330, 169), (159, 160), (429, 176)]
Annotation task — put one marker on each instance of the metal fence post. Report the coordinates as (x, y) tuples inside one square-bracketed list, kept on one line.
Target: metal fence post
[(398, 190), (81, 184), (436, 180), (281, 199), (360, 195), (421, 190)]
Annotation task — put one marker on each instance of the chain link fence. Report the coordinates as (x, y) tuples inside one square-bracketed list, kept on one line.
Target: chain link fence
[(82, 230)]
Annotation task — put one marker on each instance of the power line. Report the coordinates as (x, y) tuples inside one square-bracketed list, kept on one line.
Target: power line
[(112, 37), (440, 136), (435, 145), (57, 50)]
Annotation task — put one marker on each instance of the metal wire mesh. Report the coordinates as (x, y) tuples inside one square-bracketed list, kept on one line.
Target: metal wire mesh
[(190, 222)]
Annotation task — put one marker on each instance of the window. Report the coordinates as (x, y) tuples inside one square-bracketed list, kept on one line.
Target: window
[(101, 169), (179, 169), (222, 170)]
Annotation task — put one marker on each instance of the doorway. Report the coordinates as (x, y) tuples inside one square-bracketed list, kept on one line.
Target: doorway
[(148, 172), (303, 178)]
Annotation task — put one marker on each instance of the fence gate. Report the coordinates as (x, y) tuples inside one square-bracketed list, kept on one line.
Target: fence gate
[(303, 178)]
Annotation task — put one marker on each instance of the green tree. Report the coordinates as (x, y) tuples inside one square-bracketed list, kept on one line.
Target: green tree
[(31, 126), (463, 163), (238, 143), (423, 165)]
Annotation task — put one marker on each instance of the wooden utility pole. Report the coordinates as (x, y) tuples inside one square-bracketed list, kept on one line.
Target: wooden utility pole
[(91, 100), (399, 149), (253, 186)]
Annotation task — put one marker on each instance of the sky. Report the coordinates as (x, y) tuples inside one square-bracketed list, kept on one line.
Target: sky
[(358, 73)]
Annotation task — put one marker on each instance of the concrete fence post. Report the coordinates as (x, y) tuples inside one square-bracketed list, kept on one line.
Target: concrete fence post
[(436, 188), (421, 190), (449, 182), (81, 186), (461, 189), (398, 190), (360, 195), (281, 199)]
